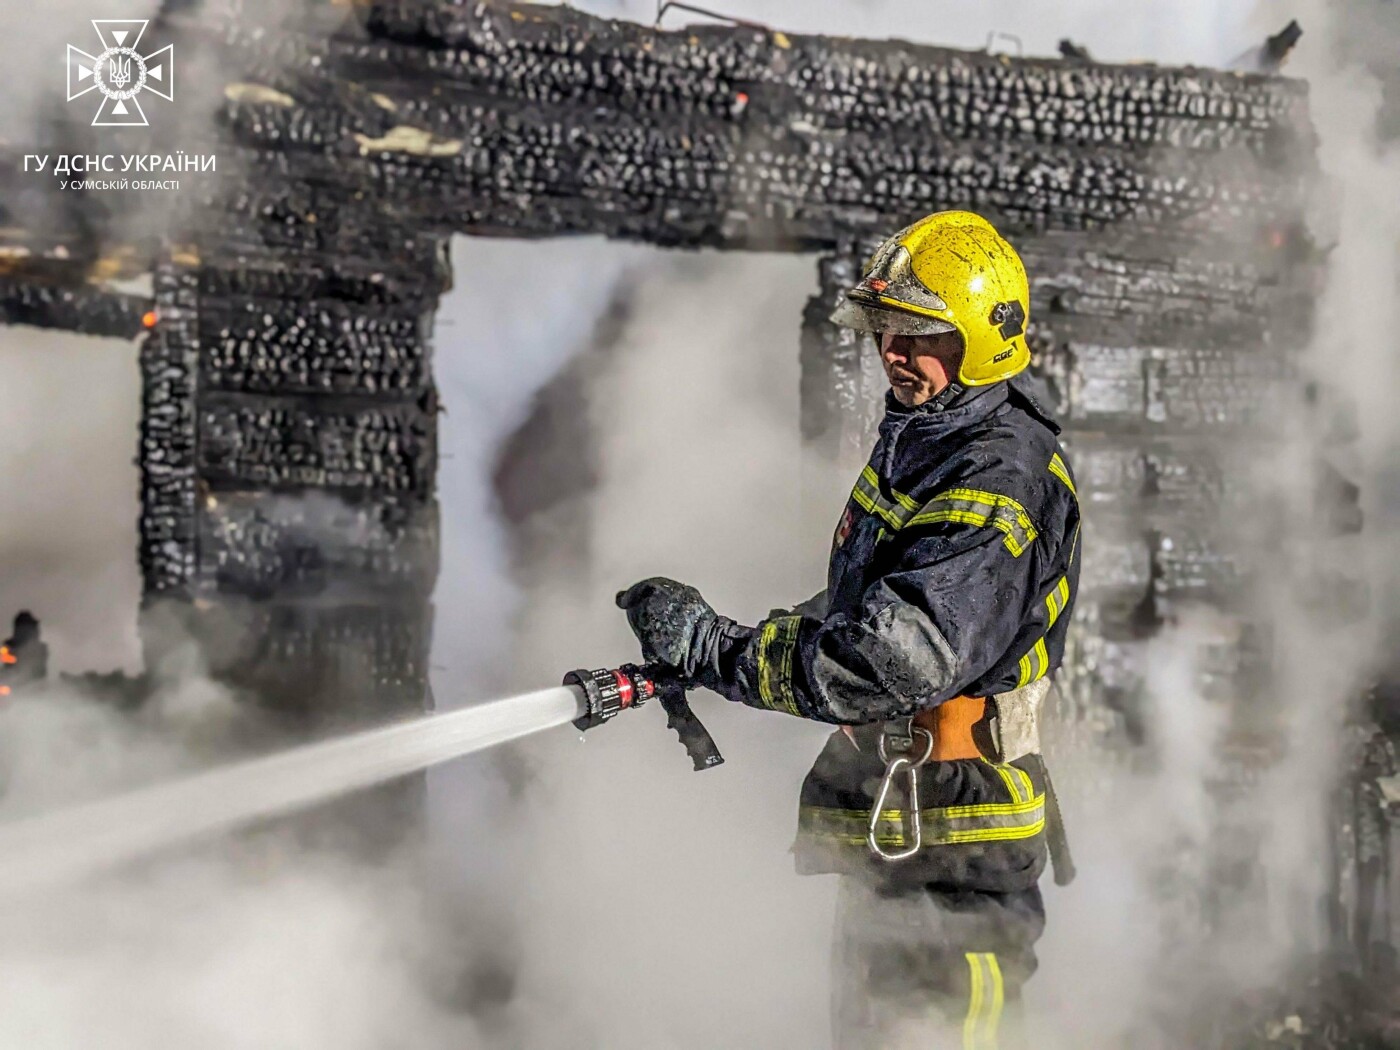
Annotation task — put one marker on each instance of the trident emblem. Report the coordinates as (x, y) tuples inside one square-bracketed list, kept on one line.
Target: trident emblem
[(120, 72)]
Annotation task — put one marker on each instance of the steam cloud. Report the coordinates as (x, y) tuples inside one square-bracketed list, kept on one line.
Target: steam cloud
[(633, 903)]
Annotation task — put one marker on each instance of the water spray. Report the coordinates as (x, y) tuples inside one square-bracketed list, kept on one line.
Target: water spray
[(54, 848)]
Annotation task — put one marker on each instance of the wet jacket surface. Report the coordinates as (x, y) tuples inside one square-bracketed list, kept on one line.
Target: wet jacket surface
[(953, 573)]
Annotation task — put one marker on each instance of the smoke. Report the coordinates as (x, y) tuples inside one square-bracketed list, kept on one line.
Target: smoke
[(69, 404), (612, 897), (495, 349), (1334, 596), (249, 942), (1217, 872), (239, 950), (657, 907), (69, 407)]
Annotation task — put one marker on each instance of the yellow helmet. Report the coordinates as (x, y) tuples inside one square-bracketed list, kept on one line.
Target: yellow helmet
[(949, 272)]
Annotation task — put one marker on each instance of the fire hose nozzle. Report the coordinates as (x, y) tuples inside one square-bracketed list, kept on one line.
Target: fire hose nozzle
[(606, 692)]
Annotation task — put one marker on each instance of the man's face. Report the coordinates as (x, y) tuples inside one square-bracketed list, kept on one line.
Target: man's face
[(919, 366)]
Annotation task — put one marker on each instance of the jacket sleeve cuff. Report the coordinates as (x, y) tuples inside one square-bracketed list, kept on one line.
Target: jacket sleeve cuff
[(774, 651), (754, 665)]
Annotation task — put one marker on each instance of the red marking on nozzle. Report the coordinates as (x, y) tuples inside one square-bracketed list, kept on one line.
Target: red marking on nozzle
[(625, 693)]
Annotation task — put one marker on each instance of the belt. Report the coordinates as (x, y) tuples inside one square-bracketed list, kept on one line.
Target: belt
[(950, 724), (943, 734)]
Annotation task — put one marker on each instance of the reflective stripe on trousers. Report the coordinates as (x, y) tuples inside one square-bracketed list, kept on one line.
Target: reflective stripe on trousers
[(966, 1000), (985, 1000)]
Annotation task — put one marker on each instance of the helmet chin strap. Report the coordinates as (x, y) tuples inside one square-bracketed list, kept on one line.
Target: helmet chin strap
[(944, 397)]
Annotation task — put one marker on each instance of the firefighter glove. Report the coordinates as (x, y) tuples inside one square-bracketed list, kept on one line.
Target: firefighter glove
[(675, 626)]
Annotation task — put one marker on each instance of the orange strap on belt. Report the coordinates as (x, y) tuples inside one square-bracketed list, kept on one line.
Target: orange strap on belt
[(951, 725)]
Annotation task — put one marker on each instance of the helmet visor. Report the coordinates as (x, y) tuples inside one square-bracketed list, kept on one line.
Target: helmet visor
[(863, 318)]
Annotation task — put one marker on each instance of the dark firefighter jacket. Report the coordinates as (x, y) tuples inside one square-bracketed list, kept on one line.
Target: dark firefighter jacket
[(953, 572)]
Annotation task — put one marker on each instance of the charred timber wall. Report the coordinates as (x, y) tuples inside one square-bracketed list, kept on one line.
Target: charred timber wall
[(538, 121), (289, 439), (290, 453)]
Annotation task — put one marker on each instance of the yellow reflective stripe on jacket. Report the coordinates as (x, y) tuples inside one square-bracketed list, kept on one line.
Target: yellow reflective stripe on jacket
[(776, 644), (1056, 600), (941, 825), (963, 505), (985, 1000), (976, 507), (867, 494), (1034, 665), (1058, 468)]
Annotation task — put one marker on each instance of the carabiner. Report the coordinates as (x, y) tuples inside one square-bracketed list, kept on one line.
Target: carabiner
[(893, 767)]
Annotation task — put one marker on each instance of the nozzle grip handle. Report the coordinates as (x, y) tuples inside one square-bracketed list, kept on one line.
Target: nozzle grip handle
[(694, 737)]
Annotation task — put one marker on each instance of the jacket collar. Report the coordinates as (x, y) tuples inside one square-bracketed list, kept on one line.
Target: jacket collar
[(967, 405), (1031, 394), (934, 419)]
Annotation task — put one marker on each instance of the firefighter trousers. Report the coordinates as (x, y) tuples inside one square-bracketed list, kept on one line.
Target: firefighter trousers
[(930, 969)]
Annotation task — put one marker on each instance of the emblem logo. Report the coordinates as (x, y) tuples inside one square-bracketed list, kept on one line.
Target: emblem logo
[(121, 73), (1009, 318), (843, 529)]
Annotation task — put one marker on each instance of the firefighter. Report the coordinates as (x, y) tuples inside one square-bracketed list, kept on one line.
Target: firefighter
[(953, 573)]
